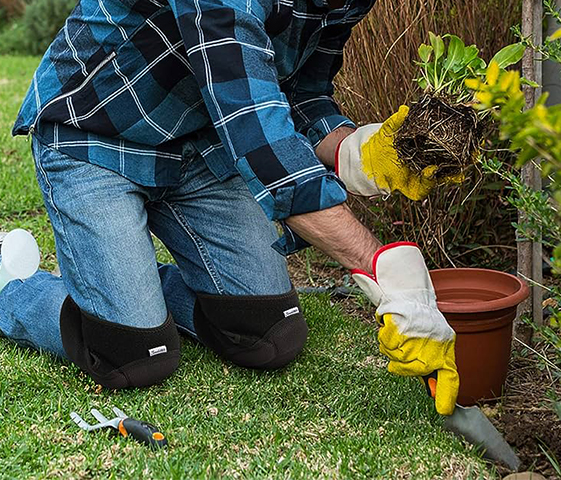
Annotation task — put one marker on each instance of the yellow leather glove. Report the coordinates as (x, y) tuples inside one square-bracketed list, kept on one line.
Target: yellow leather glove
[(414, 335), (367, 163)]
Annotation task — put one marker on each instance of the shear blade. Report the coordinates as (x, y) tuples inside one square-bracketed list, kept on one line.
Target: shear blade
[(119, 413), (103, 421)]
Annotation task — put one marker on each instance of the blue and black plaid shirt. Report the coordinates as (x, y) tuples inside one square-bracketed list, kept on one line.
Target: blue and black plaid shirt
[(136, 86)]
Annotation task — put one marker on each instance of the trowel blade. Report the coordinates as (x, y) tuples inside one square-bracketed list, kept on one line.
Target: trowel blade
[(475, 427)]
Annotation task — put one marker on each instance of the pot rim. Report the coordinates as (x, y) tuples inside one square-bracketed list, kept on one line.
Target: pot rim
[(510, 301)]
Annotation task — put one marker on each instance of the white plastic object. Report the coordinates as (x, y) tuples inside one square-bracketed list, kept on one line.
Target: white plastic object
[(20, 256)]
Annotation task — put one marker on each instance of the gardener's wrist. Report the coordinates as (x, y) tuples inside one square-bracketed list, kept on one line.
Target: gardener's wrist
[(327, 148), (338, 233)]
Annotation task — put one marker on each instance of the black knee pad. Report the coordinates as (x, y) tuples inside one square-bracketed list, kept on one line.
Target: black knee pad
[(117, 356), (264, 332)]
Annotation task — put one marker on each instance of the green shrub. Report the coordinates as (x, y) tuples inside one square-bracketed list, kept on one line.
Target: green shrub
[(13, 39), (532, 133), (34, 31), (42, 20)]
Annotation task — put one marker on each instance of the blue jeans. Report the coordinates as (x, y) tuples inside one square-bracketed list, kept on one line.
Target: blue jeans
[(216, 232)]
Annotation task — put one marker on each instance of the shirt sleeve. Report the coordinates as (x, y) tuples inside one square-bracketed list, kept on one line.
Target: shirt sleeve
[(232, 58), (310, 93)]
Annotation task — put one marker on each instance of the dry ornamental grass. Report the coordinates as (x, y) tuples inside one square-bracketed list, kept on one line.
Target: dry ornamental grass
[(379, 70), (455, 226)]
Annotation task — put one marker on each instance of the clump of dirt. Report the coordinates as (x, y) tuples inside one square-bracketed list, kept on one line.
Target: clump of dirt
[(526, 419), (438, 132), (526, 430)]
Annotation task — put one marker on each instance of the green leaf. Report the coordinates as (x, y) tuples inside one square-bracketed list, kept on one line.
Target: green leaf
[(509, 55), (425, 52), (456, 50), (525, 156), (557, 408), (547, 169), (437, 44), (530, 83), (555, 35), (470, 53), (479, 65)]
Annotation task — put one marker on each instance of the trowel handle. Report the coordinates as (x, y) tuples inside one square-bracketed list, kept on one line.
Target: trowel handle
[(430, 383)]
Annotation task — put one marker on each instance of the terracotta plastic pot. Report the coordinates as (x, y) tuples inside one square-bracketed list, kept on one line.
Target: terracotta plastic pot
[(480, 305)]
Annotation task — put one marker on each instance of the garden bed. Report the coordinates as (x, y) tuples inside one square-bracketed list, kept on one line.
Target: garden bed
[(523, 415)]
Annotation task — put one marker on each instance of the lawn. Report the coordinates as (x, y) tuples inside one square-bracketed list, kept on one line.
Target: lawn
[(334, 413)]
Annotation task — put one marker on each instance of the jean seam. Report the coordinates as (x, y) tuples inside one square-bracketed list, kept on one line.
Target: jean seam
[(57, 212), (199, 244)]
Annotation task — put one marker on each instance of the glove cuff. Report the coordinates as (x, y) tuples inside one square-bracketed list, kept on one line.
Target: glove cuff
[(337, 157), (348, 163), (385, 248)]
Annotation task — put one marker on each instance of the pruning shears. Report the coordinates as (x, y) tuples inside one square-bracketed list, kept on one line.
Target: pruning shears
[(142, 431)]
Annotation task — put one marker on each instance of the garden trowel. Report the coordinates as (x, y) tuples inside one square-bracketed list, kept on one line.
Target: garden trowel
[(471, 424)]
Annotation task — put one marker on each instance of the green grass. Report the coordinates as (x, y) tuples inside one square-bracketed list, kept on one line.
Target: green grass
[(334, 413)]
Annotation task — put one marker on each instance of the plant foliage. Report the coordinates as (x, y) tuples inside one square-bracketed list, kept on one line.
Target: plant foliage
[(32, 33), (532, 133), (447, 62), (455, 226)]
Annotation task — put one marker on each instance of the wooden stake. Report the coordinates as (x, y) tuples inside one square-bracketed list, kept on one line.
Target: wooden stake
[(530, 253)]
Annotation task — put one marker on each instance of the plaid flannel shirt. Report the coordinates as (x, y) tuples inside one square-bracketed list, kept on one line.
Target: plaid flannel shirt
[(139, 86)]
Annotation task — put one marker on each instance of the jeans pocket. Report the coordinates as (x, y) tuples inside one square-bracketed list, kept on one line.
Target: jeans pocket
[(60, 176)]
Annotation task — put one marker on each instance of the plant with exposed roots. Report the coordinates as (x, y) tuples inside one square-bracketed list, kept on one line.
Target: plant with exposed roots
[(442, 127)]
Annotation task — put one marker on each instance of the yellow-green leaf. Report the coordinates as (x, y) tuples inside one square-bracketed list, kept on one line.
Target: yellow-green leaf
[(509, 55), (484, 97), (425, 52), (492, 74), (473, 83), (555, 35)]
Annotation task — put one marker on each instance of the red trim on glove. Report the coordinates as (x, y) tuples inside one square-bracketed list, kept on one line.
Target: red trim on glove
[(362, 272), (388, 247), (337, 157)]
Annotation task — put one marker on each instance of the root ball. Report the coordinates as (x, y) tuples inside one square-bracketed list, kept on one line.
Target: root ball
[(436, 132)]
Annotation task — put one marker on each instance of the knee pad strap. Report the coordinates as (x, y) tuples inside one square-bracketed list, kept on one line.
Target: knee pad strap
[(252, 331), (118, 356)]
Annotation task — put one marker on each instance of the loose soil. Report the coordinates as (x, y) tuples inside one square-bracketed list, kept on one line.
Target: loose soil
[(436, 132), (525, 417)]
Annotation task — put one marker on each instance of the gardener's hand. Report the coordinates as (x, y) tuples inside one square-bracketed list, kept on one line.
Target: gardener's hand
[(413, 334), (367, 163)]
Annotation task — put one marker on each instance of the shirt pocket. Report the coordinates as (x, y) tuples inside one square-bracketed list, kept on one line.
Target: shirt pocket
[(142, 92)]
